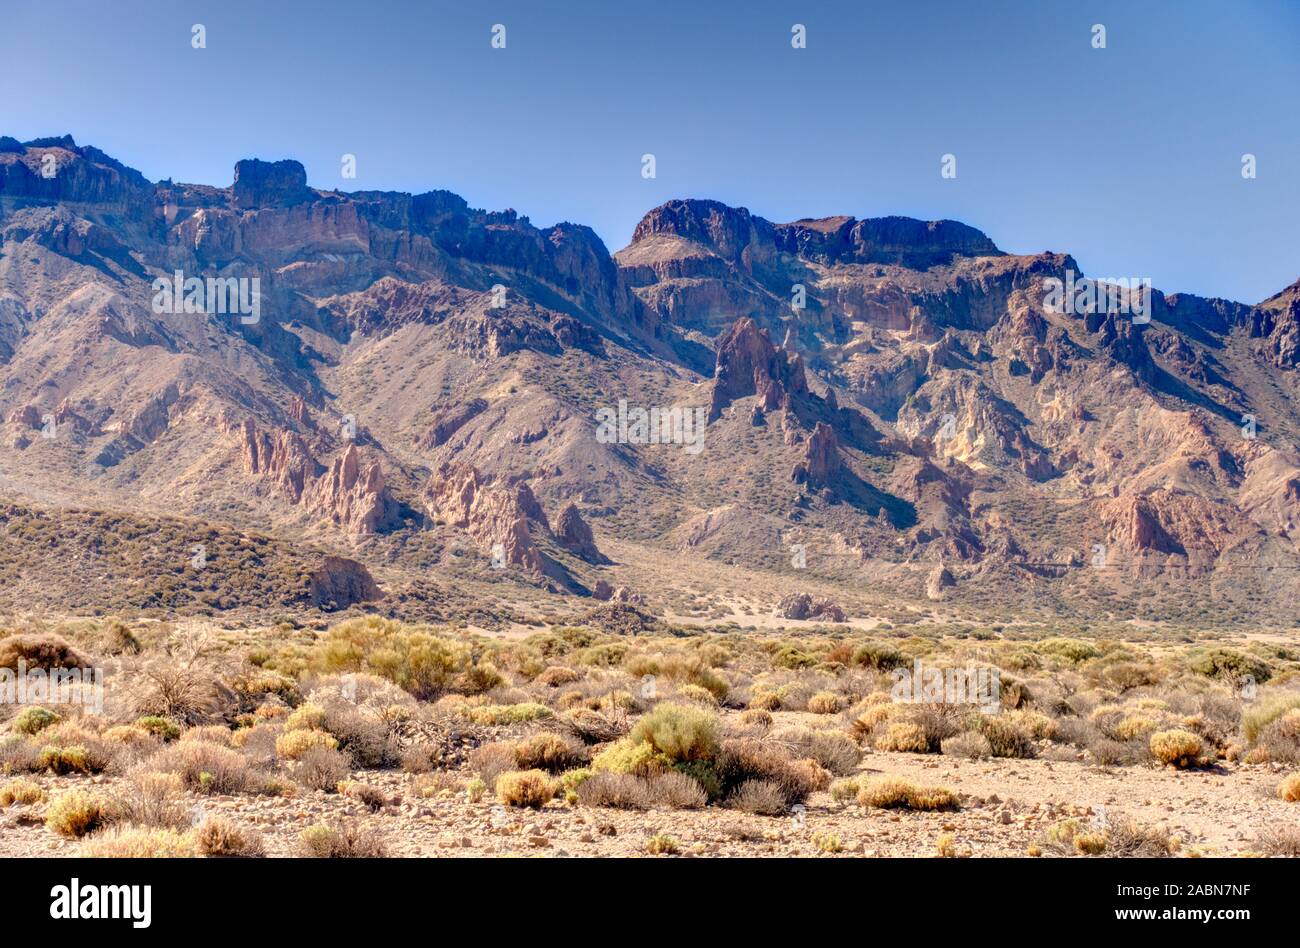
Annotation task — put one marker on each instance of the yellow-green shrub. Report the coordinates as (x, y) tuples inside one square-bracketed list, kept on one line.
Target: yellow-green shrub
[(679, 732), (75, 813), (291, 745), (1180, 748), (525, 788)]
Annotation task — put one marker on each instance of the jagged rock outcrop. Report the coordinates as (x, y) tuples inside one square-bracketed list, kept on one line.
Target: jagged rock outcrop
[(821, 458), (939, 580), (1173, 523), (573, 533), (340, 582), (804, 606), (1277, 322), (352, 494), (749, 364), (739, 236), (278, 457), (496, 517)]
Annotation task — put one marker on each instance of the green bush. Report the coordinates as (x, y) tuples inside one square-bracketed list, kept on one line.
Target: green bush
[(34, 719)]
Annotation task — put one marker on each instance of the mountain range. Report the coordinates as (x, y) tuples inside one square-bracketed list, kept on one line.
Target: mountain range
[(891, 418)]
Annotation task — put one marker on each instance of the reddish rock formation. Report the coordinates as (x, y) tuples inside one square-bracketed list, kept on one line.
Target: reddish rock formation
[(28, 415), (940, 579), (264, 183), (821, 459), (748, 364), (493, 516), (280, 457), (340, 582), (352, 493), (1174, 523)]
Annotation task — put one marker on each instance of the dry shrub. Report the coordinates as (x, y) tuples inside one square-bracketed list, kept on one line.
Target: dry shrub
[(1289, 789), (423, 664), (366, 794), (834, 750), (592, 727), (1280, 738), (492, 760), (40, 650), (212, 733), (1090, 843), (365, 735), (679, 732), (75, 813), (1126, 838), (22, 791), (697, 695), (34, 719), (64, 760), (756, 717), (190, 693), (1006, 736), (496, 715), (1260, 714), (745, 759), (969, 744), (345, 840), (206, 768), (218, 836), (844, 790), (904, 736), (629, 792), (825, 702), (525, 788), (870, 716), (1279, 839), (153, 799), (550, 752), (888, 792), (137, 739), (760, 797), (1108, 752), (138, 842), (320, 768), (17, 755), (557, 675), (662, 844), (76, 746), (305, 717), (292, 745), (1177, 747)]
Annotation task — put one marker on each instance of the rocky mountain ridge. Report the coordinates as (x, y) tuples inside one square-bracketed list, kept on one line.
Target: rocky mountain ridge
[(421, 370)]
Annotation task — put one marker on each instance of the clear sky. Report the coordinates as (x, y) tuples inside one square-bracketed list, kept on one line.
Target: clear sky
[(1128, 157)]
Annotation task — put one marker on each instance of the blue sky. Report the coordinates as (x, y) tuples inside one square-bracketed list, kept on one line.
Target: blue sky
[(1128, 157)]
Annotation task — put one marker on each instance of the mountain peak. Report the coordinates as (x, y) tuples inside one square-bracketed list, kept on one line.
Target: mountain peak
[(260, 183), (840, 239)]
